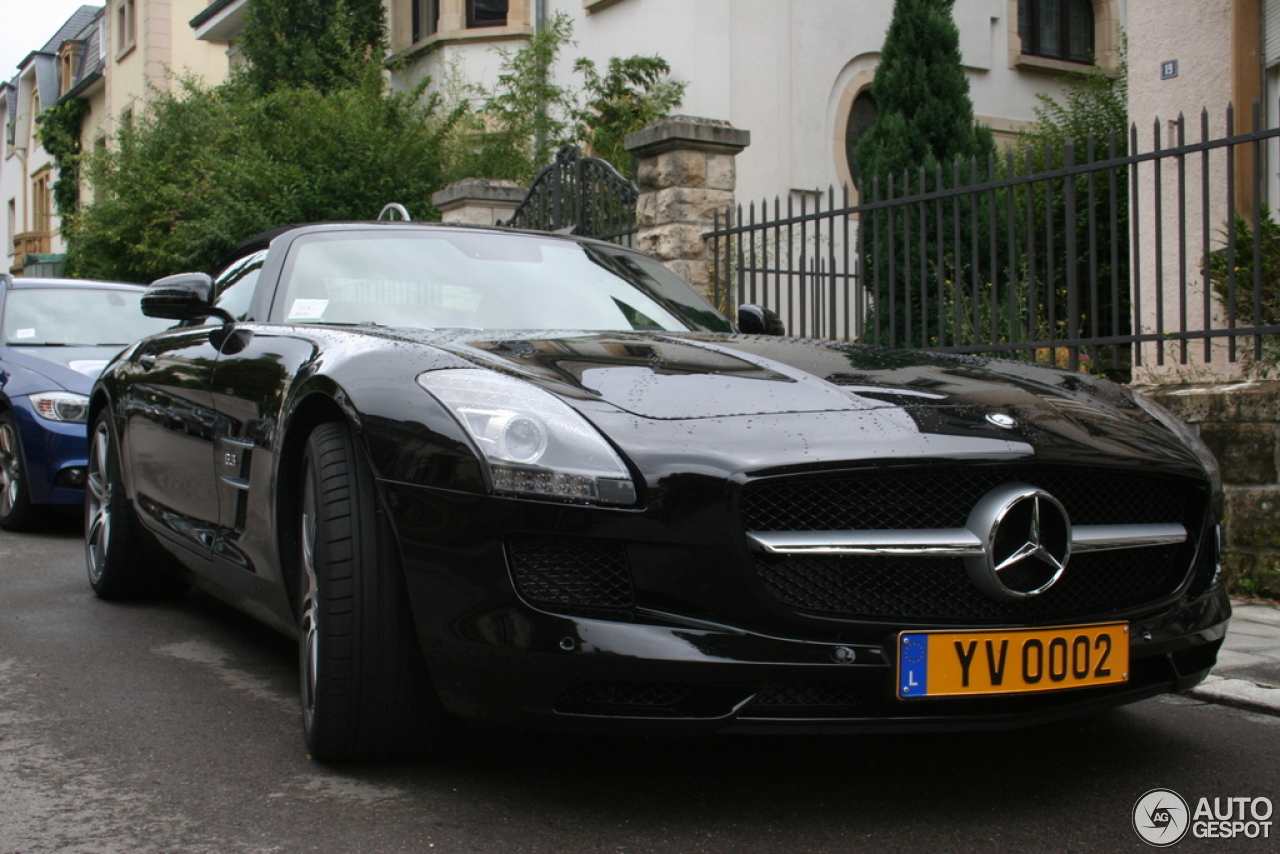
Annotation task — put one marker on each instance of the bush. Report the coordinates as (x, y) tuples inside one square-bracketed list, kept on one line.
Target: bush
[(206, 168), (1237, 292)]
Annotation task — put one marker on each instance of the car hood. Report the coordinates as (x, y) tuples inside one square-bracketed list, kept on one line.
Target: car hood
[(817, 398), (678, 377), (71, 368)]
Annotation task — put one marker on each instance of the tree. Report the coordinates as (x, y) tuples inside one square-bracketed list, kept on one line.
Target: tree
[(523, 119), (310, 43), (317, 139), (205, 168), (633, 93), (925, 124), (922, 96), (526, 116)]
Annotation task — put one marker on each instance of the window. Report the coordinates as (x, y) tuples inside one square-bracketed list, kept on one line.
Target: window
[(126, 25), (68, 68), (862, 115), (42, 202), (1057, 29), (426, 18), (236, 284), (487, 13)]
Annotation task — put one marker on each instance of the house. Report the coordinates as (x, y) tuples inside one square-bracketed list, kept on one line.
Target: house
[(111, 57), (795, 73), (26, 170)]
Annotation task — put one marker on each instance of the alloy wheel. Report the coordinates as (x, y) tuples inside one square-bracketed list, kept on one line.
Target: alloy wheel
[(10, 470), (309, 606), (98, 502)]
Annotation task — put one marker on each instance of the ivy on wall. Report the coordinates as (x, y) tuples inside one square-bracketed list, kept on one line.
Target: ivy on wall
[(59, 133)]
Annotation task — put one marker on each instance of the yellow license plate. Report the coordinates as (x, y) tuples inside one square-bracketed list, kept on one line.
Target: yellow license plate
[(951, 664)]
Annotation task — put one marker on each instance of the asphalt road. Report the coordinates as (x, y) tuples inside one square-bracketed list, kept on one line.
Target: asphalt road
[(173, 727)]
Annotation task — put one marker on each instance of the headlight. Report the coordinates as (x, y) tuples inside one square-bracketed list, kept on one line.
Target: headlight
[(533, 442), (61, 406), (1187, 436)]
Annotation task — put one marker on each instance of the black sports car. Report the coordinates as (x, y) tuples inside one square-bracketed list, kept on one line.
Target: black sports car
[(524, 479)]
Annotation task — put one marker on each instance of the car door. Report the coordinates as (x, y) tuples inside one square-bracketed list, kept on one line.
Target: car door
[(173, 432), (167, 435), (255, 368)]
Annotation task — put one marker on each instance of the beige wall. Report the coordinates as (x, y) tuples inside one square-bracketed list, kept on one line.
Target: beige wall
[(1199, 35), (165, 46)]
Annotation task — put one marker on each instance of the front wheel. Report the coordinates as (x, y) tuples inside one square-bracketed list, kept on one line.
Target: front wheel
[(365, 690), (16, 510), (120, 562)]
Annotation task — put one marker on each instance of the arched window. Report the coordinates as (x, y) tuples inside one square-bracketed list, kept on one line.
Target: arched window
[(1057, 29), (862, 115)]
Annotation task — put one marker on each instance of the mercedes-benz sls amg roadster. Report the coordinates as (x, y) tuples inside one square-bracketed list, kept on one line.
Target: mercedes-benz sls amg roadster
[(521, 479)]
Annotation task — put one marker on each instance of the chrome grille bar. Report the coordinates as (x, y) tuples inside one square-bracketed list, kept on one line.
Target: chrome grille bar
[(953, 542)]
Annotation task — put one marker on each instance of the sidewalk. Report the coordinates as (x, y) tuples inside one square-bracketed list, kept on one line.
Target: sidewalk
[(1248, 671)]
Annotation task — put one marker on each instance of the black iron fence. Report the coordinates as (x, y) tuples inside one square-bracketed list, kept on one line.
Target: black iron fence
[(583, 194), (1099, 256)]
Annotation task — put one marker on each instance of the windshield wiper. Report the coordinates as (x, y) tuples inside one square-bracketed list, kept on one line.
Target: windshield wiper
[(48, 344)]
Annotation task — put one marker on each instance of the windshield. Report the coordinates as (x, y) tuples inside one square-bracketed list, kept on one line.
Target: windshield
[(84, 317), (448, 279)]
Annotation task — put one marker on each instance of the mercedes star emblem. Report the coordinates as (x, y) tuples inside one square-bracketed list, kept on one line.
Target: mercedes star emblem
[(1026, 539)]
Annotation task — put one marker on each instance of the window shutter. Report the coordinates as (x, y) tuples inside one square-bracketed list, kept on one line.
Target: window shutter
[(1270, 33)]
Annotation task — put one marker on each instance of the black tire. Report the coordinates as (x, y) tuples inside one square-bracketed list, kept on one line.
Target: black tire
[(365, 690), (116, 562), (17, 513)]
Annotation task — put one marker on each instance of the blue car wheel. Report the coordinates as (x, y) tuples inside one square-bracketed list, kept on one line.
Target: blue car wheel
[(16, 512)]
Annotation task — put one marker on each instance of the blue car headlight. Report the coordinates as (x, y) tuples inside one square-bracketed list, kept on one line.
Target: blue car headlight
[(533, 443), (61, 406)]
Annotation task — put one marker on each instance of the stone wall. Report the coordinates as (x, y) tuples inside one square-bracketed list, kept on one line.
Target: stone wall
[(478, 201), (1240, 423)]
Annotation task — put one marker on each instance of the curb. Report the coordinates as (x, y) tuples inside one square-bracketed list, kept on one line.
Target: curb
[(1238, 693)]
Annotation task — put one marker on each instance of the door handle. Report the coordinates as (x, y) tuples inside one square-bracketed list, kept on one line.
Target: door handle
[(147, 361)]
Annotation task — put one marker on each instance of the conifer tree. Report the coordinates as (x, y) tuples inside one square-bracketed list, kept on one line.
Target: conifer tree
[(925, 121)]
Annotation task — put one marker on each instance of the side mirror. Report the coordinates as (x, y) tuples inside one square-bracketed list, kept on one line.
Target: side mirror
[(758, 320), (186, 296)]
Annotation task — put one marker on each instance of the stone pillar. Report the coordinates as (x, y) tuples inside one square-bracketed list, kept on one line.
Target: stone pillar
[(1240, 423), (686, 174), (478, 201)]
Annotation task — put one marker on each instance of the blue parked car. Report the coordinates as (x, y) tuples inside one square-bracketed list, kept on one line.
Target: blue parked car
[(56, 336)]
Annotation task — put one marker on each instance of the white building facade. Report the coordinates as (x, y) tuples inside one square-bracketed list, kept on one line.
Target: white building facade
[(792, 72), (111, 57)]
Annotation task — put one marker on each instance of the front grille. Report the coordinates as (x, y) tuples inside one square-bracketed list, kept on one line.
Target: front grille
[(943, 499), (632, 695), (653, 700), (571, 574), (940, 589), (780, 698)]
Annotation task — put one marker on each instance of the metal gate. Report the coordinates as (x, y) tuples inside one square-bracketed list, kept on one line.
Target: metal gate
[(584, 195)]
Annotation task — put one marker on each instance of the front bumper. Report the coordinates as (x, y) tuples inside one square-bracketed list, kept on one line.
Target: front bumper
[(55, 456), (498, 659)]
